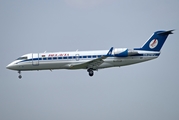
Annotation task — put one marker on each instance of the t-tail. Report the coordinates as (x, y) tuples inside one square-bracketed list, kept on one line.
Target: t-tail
[(155, 42)]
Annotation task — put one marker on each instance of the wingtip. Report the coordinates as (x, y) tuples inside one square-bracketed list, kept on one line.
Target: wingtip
[(110, 51)]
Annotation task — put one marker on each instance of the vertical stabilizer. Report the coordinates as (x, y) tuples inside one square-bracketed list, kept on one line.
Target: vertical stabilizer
[(156, 41)]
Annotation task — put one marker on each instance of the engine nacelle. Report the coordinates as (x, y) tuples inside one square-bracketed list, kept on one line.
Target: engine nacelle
[(120, 52), (124, 52)]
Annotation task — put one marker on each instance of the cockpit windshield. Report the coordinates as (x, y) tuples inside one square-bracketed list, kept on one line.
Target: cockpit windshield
[(22, 58)]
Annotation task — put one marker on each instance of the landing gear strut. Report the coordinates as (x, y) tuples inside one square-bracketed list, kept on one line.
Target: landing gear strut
[(91, 73), (20, 76)]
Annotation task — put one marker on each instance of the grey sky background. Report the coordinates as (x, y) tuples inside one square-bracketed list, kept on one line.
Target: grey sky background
[(145, 91)]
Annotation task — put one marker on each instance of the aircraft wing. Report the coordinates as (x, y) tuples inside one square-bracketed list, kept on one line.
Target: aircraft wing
[(92, 63)]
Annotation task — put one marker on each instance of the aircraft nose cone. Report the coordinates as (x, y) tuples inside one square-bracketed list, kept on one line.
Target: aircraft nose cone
[(9, 66)]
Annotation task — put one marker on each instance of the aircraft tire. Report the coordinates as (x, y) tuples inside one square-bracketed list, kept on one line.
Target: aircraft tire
[(91, 73), (20, 76)]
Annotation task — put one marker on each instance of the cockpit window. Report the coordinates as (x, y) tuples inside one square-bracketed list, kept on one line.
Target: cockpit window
[(22, 58)]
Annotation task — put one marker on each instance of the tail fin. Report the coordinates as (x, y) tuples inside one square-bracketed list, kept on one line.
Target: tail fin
[(156, 42)]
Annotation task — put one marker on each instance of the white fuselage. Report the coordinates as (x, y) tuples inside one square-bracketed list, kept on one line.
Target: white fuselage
[(69, 60)]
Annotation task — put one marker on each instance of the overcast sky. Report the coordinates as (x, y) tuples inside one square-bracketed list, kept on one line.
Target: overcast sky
[(145, 91)]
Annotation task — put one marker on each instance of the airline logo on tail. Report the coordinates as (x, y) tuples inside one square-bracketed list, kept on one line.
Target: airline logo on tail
[(153, 43)]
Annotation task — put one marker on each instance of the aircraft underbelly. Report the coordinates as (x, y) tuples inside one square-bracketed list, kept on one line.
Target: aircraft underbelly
[(117, 62)]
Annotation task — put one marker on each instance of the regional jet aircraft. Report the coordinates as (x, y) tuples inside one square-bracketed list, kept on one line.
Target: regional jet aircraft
[(91, 60)]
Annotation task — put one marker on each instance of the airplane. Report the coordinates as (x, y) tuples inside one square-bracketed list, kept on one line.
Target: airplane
[(91, 60)]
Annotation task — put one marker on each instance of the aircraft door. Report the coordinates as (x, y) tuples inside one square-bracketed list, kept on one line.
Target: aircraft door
[(35, 59), (77, 57)]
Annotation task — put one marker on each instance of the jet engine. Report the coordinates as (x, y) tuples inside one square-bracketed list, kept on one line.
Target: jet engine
[(123, 52)]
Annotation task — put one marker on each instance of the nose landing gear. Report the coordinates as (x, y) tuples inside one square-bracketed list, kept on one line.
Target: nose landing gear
[(20, 76)]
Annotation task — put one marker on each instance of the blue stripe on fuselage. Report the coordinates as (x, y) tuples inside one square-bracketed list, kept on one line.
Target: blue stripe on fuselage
[(84, 57)]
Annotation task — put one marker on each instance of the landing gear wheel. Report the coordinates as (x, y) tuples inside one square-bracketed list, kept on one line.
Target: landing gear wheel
[(91, 73), (20, 76)]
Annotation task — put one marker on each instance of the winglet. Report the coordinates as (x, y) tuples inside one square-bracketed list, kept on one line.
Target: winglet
[(110, 52)]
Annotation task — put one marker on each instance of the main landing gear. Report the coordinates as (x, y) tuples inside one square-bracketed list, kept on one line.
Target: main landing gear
[(90, 71), (20, 76)]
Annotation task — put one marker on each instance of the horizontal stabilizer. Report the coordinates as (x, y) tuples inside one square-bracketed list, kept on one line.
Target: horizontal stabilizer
[(165, 32)]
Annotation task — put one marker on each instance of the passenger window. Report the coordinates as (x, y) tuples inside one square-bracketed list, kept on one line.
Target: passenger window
[(94, 56)]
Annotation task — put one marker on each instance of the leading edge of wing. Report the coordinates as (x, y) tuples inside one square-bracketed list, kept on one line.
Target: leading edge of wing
[(92, 63)]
